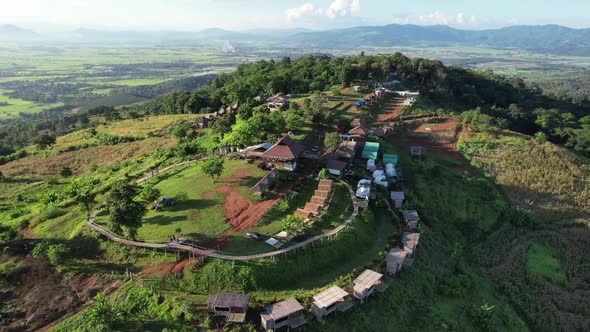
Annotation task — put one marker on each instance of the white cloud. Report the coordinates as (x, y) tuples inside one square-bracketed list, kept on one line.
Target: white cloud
[(335, 9), (435, 18)]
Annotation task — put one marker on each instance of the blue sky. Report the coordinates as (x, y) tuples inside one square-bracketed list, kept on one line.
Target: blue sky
[(313, 14)]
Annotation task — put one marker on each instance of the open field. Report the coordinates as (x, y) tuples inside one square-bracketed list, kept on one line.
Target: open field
[(11, 107), (542, 260), (202, 207)]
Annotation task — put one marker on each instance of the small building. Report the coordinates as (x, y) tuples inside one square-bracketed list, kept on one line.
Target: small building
[(232, 306), (336, 167), (301, 213), (328, 301), (345, 152), (398, 198), (322, 193), (285, 153), (357, 122), (411, 217), (281, 314), (359, 131), (256, 151), (319, 200), (395, 260), (410, 242), (315, 209), (364, 285), (371, 150), (277, 101)]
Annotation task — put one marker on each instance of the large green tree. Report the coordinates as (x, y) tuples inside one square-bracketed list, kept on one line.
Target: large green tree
[(44, 141), (125, 211), (332, 141), (82, 192), (213, 167)]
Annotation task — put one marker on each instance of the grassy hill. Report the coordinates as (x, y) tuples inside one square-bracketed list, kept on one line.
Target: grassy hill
[(541, 265)]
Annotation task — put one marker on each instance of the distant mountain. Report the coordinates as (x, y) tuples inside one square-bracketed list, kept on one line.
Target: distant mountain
[(12, 32), (544, 38)]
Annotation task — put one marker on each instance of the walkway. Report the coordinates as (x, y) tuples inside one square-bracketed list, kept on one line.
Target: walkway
[(215, 254)]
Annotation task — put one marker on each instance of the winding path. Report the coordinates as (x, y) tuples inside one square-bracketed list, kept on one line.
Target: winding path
[(215, 254)]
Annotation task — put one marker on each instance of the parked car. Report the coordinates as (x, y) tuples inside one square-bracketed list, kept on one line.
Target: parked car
[(254, 235)]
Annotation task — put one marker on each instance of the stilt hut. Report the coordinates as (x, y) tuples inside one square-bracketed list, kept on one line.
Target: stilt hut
[(232, 306), (328, 301), (398, 198), (364, 285), (281, 314), (410, 242), (395, 260), (412, 218)]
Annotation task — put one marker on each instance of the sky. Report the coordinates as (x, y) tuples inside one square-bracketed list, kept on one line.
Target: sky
[(278, 14)]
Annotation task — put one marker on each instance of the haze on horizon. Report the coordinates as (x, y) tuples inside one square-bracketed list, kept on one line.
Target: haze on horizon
[(310, 14)]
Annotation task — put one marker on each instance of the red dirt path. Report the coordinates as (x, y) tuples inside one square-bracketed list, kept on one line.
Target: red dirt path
[(391, 110)]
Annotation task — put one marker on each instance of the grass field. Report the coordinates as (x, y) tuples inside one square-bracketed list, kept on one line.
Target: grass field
[(16, 106), (543, 261), (199, 209)]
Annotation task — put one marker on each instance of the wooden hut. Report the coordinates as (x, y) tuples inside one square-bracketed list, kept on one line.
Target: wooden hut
[(301, 213), (395, 260), (281, 314), (364, 285), (410, 242), (285, 153), (328, 301), (398, 198), (319, 200), (411, 217), (232, 306), (315, 209)]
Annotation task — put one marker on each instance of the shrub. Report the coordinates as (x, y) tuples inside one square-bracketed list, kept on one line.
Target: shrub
[(52, 212), (324, 174), (66, 172)]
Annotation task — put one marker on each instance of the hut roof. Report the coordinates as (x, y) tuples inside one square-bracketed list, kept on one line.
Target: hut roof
[(284, 308), (336, 165), (302, 213), (410, 238), (359, 131), (322, 193), (357, 122), (284, 149), (329, 296), (324, 182), (396, 256), (229, 300), (398, 195), (318, 200), (411, 215), (368, 279), (313, 208)]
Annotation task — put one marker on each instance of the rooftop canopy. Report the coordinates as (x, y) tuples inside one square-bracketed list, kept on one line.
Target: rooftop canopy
[(330, 296), (396, 256), (397, 196), (411, 215), (284, 149), (284, 308), (368, 279), (390, 159), (229, 300)]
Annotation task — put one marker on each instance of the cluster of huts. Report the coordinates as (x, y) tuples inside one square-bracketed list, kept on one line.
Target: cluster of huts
[(205, 121), (318, 202), (397, 257), (370, 99), (290, 312)]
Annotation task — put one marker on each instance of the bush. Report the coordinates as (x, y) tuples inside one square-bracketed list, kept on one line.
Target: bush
[(56, 253), (52, 212), (324, 174), (66, 172)]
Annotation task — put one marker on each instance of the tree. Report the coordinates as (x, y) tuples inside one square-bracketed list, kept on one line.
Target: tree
[(332, 141), (102, 316), (66, 172), (149, 193), (294, 121), (82, 192), (44, 141), (2, 177), (336, 92), (124, 210), (294, 225), (213, 167)]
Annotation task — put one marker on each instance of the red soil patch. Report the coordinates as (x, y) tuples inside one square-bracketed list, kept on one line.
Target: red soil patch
[(445, 149), (165, 269), (391, 110)]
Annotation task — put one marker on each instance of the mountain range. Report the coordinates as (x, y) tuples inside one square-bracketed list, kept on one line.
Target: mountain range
[(553, 39)]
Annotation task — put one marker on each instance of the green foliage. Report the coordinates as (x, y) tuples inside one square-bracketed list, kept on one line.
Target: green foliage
[(108, 139), (44, 141), (482, 316), (325, 174), (102, 316), (213, 167), (219, 276), (332, 141), (51, 212), (81, 190), (518, 217), (149, 193), (294, 121), (56, 253), (294, 225), (544, 261), (124, 210)]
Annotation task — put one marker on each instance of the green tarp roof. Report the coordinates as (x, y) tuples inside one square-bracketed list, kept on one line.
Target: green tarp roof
[(372, 146), (390, 159), (370, 154)]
